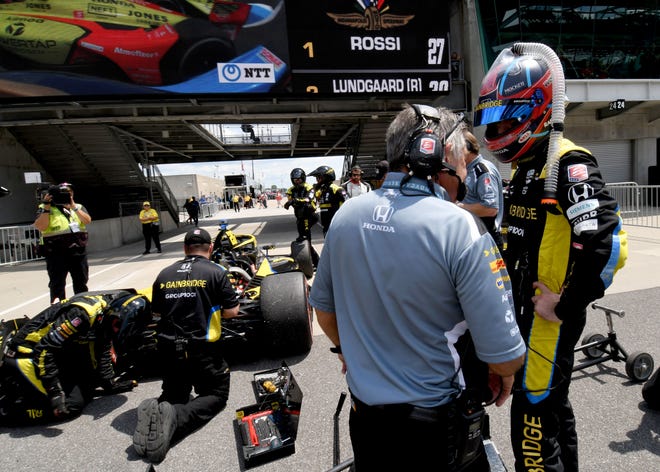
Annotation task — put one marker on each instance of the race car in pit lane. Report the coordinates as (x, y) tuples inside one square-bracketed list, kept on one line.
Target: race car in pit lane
[(159, 43), (275, 319)]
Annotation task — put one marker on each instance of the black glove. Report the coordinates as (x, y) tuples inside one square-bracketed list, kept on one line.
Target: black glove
[(287, 204), (58, 404), (112, 387)]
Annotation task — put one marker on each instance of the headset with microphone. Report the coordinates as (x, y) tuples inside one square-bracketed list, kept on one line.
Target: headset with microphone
[(425, 152)]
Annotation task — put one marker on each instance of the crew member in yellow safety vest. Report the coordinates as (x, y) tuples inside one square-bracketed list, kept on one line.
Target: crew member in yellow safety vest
[(63, 225)]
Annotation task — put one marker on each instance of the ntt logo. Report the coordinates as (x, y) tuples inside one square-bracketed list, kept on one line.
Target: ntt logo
[(259, 73), (230, 72)]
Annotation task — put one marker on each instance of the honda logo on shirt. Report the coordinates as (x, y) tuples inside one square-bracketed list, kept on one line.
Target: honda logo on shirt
[(580, 192), (382, 214)]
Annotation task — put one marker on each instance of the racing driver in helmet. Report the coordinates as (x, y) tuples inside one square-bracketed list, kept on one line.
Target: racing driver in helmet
[(328, 194), (51, 365), (300, 196), (561, 254)]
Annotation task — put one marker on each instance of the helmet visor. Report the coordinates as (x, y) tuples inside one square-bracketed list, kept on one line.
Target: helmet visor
[(500, 110)]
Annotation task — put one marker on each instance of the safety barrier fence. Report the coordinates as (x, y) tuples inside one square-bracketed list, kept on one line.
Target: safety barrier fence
[(639, 204), (18, 244), (206, 210)]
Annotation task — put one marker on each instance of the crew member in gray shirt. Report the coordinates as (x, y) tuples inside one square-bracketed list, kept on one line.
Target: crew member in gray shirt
[(399, 318)]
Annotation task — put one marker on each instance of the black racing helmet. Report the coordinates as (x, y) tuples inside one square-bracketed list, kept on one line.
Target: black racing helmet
[(126, 319), (298, 173), (326, 173)]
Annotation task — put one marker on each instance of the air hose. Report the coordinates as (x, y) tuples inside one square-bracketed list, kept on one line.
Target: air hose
[(546, 54)]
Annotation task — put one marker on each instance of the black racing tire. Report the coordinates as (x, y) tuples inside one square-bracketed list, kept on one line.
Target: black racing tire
[(287, 314), (301, 252), (200, 47), (592, 352), (639, 366)]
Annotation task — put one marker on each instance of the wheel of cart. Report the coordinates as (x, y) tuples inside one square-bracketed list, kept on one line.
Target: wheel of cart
[(592, 340), (599, 348), (639, 366)]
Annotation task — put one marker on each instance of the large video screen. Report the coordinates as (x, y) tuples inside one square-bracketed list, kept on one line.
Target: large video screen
[(111, 48)]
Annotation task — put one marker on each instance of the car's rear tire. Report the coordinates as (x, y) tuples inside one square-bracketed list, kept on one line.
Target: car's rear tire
[(287, 314)]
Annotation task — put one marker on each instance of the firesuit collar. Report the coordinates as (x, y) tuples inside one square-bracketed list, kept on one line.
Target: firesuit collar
[(412, 185)]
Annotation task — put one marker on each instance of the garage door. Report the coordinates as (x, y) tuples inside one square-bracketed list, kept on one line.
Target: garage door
[(614, 159)]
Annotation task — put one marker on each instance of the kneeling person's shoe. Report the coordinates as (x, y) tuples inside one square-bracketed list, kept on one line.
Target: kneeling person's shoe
[(162, 430), (147, 412)]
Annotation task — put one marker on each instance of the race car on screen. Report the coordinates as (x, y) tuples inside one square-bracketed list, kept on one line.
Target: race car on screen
[(146, 43)]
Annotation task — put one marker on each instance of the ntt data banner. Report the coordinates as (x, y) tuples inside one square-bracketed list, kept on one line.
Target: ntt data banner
[(109, 48)]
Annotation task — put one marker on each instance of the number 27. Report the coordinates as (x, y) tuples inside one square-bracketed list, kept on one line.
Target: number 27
[(436, 48)]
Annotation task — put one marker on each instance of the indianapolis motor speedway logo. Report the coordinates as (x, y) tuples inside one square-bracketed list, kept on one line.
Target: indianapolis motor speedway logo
[(371, 16)]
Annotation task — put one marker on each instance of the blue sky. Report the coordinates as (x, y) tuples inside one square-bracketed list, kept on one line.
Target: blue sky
[(267, 171)]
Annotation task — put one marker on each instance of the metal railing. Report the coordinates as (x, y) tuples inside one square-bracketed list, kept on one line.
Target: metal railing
[(206, 210), (164, 189), (639, 204), (18, 244)]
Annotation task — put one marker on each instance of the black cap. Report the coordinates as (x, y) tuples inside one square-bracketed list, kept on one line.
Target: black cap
[(197, 236), (381, 169)]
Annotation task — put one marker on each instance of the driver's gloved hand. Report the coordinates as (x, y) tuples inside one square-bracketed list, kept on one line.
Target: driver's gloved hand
[(58, 404)]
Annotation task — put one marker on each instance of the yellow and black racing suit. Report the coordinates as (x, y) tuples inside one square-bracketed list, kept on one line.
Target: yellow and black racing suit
[(329, 198), (61, 352), (575, 249), (301, 198)]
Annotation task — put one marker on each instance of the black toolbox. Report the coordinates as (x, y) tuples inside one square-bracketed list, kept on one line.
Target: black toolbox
[(267, 429)]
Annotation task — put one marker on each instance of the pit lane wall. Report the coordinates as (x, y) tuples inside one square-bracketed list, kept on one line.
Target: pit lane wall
[(18, 244), (115, 232)]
